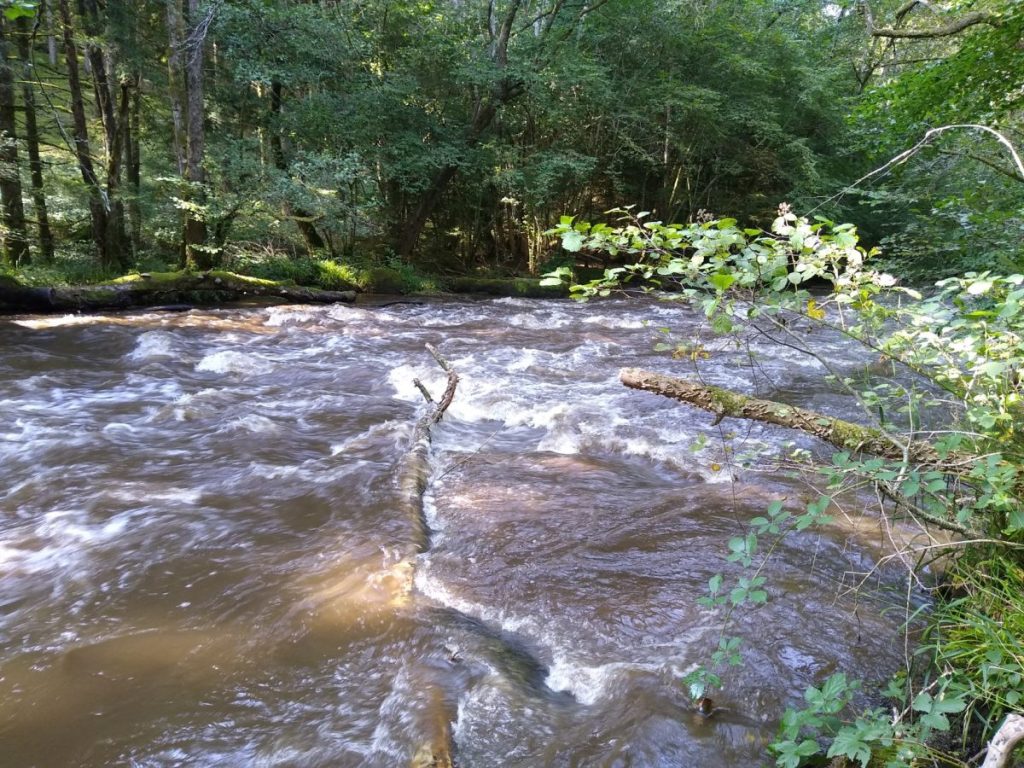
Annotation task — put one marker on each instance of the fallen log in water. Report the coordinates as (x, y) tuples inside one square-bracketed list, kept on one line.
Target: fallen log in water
[(159, 288), (845, 435), (416, 468), (437, 750)]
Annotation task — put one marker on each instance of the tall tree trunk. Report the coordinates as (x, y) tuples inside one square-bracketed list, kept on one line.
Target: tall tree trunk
[(52, 48), (35, 164), (15, 235), (98, 203), (133, 166), (302, 218), (176, 80), (197, 255)]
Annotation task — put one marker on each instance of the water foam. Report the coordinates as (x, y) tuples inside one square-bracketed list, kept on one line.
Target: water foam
[(153, 346), (231, 361)]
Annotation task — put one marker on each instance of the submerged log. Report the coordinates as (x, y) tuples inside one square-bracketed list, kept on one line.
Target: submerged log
[(155, 289), (437, 749), (416, 468), (843, 434)]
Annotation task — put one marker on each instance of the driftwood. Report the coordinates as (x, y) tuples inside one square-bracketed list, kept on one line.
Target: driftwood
[(151, 290), (845, 435), (1000, 748), (437, 750), (416, 470)]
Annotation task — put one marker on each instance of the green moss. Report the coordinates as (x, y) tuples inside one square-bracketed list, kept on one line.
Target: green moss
[(168, 279), (383, 280)]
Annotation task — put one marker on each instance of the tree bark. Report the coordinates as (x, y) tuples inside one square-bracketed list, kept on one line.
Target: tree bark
[(844, 435), (15, 235), (197, 256), (133, 164), (35, 164), (1000, 749), (176, 81), (106, 222)]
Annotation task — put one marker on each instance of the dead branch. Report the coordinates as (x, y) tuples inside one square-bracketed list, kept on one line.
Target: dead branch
[(953, 28), (843, 434), (416, 470)]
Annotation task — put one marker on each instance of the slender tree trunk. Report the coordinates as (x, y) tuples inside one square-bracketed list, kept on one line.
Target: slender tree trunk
[(196, 255), (35, 164), (16, 249), (98, 204), (176, 80), (302, 218), (133, 166), (51, 39)]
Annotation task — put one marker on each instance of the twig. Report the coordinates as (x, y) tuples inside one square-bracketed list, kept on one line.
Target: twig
[(423, 390)]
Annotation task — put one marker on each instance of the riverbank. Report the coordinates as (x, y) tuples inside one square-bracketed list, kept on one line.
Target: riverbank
[(183, 289)]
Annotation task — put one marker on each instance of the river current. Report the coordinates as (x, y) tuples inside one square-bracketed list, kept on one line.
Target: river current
[(200, 558)]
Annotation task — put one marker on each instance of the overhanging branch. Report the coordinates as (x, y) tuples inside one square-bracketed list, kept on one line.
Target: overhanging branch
[(903, 33)]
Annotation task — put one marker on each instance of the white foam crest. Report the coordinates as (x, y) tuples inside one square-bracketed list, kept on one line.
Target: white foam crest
[(231, 361), (401, 380), (588, 684), (147, 492), (512, 301), (433, 588), (395, 432), (252, 423), (617, 323), (61, 540), (152, 346), (64, 321), (289, 315), (539, 320)]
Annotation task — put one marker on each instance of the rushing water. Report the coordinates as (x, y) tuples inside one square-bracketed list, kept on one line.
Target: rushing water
[(200, 561)]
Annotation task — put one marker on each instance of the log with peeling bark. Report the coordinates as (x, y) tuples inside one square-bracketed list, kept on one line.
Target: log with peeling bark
[(845, 435), (1006, 739), (416, 469), (150, 290)]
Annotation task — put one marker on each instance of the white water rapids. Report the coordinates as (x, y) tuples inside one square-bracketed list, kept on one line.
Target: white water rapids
[(198, 542)]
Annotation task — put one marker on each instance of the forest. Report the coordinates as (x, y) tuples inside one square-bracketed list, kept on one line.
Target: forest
[(787, 167), (448, 138)]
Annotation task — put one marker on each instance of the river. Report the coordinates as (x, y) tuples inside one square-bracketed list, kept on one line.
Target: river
[(200, 559)]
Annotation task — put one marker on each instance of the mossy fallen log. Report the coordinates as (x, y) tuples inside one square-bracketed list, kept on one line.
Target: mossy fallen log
[(159, 288), (844, 435)]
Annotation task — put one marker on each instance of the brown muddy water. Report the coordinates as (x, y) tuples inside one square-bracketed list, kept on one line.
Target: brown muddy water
[(201, 563)]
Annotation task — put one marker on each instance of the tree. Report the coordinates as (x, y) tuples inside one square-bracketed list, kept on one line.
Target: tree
[(105, 208), (35, 164), (16, 250)]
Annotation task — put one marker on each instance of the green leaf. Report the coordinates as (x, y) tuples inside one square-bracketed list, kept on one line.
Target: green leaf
[(847, 743), (715, 584), (19, 9), (572, 241), (722, 280)]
